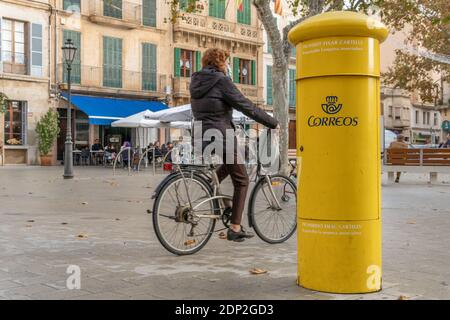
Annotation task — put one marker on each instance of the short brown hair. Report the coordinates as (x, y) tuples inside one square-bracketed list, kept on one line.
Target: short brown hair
[(217, 58)]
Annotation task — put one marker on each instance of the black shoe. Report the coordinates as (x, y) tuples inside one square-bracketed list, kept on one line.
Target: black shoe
[(397, 180), (239, 236)]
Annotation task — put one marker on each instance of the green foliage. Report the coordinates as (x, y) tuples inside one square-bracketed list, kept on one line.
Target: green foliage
[(47, 130), (426, 23), (3, 101)]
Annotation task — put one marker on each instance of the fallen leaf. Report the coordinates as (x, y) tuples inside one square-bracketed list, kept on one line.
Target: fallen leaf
[(84, 203), (189, 242), (402, 298), (411, 222), (117, 219), (63, 223), (222, 235), (257, 271), (30, 220), (82, 236)]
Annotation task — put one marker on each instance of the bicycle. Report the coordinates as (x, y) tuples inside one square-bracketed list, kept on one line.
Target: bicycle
[(190, 201)]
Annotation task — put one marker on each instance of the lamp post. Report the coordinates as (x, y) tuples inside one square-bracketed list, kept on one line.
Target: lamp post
[(69, 51)]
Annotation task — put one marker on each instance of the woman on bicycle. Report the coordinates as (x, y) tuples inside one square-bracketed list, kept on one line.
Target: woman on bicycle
[(213, 98)]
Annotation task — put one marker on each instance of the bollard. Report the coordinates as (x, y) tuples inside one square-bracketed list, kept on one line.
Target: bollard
[(339, 171)]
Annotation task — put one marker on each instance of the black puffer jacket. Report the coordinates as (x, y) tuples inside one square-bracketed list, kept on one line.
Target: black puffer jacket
[(213, 98)]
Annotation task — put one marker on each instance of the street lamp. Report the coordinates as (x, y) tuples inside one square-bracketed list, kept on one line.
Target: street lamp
[(69, 51)]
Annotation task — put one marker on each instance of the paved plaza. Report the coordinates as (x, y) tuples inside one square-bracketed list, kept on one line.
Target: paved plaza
[(99, 222)]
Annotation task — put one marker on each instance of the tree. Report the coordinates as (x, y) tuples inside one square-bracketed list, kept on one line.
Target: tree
[(281, 48), (427, 23)]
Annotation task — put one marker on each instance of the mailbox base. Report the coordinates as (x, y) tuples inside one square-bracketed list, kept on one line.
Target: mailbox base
[(340, 256)]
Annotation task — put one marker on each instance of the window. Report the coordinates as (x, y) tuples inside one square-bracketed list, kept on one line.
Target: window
[(424, 119), (112, 62), (81, 130), (292, 88), (187, 4), (149, 13), (112, 8), (435, 119), (269, 47), (391, 111), (244, 12), (244, 71), (15, 123), (428, 118), (294, 52), (72, 5), (417, 117), (149, 67), (217, 8), (76, 64), (269, 98), (13, 46), (186, 62), (398, 113)]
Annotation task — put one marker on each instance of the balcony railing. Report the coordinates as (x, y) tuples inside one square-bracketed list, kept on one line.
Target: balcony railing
[(181, 88), (205, 24), (115, 12), (91, 78)]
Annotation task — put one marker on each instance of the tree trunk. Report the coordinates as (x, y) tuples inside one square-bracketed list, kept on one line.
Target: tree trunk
[(280, 70), (281, 51)]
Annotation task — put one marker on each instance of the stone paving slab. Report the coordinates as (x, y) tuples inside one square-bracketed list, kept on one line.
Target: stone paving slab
[(99, 222)]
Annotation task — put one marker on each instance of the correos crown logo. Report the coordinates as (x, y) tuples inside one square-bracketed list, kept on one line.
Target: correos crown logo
[(331, 107)]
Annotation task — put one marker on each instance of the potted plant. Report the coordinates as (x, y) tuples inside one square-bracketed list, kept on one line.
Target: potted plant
[(47, 130)]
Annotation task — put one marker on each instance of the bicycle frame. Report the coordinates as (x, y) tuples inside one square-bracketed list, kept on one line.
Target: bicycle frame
[(272, 199)]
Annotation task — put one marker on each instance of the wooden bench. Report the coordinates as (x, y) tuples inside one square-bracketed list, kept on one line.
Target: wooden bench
[(432, 161)]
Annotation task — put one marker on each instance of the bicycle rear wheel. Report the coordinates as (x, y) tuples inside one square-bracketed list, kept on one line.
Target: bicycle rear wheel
[(274, 215), (175, 223)]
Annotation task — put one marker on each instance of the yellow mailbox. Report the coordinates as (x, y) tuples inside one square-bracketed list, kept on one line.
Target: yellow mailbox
[(338, 111)]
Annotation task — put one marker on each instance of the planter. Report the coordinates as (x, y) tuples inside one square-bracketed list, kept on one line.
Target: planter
[(46, 161)]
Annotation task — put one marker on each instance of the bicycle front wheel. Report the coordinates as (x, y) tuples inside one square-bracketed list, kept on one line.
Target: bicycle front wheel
[(175, 214), (273, 208)]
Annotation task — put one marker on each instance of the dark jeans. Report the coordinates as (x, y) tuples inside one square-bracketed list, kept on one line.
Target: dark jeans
[(239, 177)]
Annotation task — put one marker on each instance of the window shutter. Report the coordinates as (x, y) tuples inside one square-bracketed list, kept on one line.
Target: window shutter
[(212, 8), (149, 69), (217, 8), (149, 14), (253, 66), (248, 12), (198, 60), (112, 62), (222, 10), (36, 69), (176, 64), (292, 85), (269, 86), (76, 65), (236, 70)]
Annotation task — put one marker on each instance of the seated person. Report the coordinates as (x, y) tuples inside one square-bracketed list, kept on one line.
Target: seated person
[(169, 149), (158, 152), (97, 146)]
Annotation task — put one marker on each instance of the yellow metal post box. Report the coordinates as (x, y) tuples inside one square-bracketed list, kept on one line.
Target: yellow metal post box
[(338, 111)]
